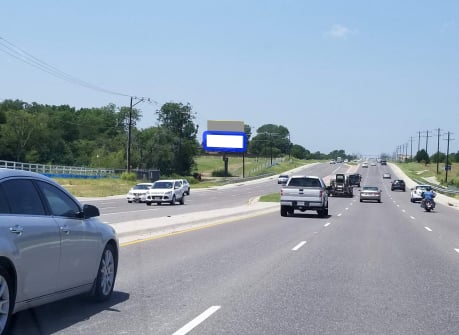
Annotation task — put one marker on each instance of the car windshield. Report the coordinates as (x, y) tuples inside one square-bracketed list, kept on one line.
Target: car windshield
[(142, 187), (305, 182), (163, 184), (370, 188)]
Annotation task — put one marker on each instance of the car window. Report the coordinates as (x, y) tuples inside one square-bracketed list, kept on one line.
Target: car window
[(23, 197), (305, 182), (4, 207), (60, 204)]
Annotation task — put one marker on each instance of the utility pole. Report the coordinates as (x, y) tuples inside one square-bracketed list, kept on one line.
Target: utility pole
[(438, 148), (406, 151), (128, 154), (419, 141), (411, 141), (447, 166), (427, 141)]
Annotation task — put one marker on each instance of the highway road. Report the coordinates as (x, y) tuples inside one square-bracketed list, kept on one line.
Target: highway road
[(368, 268)]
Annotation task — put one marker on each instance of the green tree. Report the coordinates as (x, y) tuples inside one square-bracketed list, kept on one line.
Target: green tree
[(178, 120), (422, 156), (300, 152), (438, 157), (271, 140)]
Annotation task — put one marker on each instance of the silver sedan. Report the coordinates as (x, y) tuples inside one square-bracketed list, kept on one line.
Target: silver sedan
[(372, 193), (52, 247)]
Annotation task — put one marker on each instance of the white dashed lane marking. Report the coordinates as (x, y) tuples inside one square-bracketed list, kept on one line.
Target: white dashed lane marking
[(299, 246), (198, 320), (427, 228)]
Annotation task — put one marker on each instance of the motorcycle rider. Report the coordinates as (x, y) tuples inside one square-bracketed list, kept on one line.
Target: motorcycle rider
[(428, 194)]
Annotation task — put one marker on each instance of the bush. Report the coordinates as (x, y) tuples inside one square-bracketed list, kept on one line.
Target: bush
[(129, 176), (220, 173)]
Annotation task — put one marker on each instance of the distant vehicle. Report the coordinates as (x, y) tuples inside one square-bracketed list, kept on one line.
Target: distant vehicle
[(166, 191), (372, 193), (387, 175), (186, 186), (346, 161), (332, 161), (398, 184), (383, 162), (138, 192), (365, 164), (339, 186), (355, 179), (373, 163), (283, 178), (416, 192), (53, 247), (339, 160)]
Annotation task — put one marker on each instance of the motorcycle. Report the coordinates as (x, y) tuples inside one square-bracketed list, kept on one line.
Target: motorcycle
[(428, 205)]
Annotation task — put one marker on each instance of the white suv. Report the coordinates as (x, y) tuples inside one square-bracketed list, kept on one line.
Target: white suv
[(138, 192), (166, 191), (416, 192)]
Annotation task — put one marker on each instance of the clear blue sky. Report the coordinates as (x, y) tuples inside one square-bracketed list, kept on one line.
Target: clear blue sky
[(363, 76)]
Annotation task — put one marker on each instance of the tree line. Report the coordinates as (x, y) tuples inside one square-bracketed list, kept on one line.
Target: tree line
[(97, 137)]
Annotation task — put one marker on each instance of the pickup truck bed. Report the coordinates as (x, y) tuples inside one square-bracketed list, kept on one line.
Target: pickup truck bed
[(304, 193)]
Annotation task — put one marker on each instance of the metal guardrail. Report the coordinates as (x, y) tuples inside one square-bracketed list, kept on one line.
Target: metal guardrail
[(56, 170), (438, 188)]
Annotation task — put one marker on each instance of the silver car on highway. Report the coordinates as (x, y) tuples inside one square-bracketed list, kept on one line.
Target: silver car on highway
[(51, 246)]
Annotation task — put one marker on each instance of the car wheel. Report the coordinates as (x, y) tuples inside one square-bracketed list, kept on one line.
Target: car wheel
[(6, 299), (173, 200), (129, 202), (148, 203), (283, 211), (182, 199), (105, 281)]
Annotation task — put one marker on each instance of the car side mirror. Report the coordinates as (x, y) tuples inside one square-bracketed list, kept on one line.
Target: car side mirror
[(90, 211)]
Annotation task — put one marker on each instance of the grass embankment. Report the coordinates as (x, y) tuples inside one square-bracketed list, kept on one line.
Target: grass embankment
[(204, 164), (426, 171)]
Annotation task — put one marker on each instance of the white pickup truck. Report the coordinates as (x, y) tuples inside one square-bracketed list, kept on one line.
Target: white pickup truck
[(304, 193)]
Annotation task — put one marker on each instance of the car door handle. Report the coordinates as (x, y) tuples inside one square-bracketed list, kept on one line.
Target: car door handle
[(18, 230), (65, 230)]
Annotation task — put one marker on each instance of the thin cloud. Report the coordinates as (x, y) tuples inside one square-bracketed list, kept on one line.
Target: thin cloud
[(339, 31)]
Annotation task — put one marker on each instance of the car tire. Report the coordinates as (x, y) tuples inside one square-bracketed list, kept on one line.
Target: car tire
[(129, 202), (284, 211), (321, 213), (182, 200), (106, 274), (173, 200), (6, 299), (148, 203)]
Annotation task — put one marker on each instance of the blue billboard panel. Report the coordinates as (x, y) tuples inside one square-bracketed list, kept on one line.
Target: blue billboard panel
[(224, 141)]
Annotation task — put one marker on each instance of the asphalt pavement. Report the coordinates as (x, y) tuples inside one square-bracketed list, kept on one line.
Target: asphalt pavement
[(136, 230)]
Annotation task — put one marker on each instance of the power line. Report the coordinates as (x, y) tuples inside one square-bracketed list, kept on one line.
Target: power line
[(25, 57)]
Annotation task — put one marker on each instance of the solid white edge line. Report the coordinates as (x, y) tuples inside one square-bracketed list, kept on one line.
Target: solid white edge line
[(427, 228), (196, 321), (299, 246)]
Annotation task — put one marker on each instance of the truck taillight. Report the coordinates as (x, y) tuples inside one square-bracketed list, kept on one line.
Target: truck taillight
[(321, 193)]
